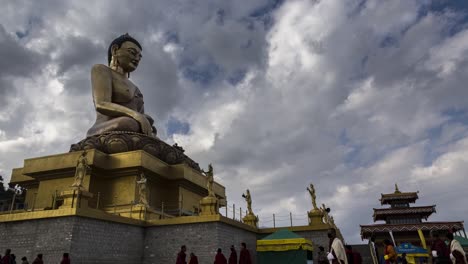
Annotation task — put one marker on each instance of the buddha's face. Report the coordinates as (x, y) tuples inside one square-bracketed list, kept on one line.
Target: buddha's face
[(128, 56)]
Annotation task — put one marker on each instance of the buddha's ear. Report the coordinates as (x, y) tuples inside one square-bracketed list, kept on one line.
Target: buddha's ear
[(114, 49)]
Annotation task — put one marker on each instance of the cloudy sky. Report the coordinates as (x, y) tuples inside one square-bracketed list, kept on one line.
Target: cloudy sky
[(352, 95)]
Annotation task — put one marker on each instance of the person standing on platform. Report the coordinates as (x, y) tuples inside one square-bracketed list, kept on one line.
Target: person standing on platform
[(38, 259), (220, 258), (65, 259), (244, 256), (181, 256), (457, 254), (440, 250), (390, 255), (193, 259), (233, 256), (337, 254)]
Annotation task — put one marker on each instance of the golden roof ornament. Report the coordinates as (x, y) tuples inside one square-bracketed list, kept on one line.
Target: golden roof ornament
[(396, 189)]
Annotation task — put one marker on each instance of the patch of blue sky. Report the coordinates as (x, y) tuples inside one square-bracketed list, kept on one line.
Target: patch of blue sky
[(175, 126), (459, 7), (203, 74), (32, 22), (352, 158), (264, 13), (455, 116), (171, 37), (237, 76), (388, 41)]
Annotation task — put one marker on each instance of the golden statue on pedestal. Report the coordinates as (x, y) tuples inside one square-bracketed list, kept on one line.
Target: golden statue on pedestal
[(250, 219), (142, 190), (311, 190), (248, 199), (82, 168), (210, 180)]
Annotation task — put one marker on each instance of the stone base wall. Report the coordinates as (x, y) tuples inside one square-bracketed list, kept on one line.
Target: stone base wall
[(51, 237), (86, 240), (92, 241), (162, 243)]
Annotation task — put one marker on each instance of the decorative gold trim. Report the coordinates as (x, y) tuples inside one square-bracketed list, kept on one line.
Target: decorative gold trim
[(284, 244)]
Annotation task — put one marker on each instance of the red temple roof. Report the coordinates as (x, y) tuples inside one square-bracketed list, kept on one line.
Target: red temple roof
[(423, 211), (368, 230)]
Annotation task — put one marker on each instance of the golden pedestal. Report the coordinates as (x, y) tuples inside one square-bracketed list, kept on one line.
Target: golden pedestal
[(315, 217), (75, 198), (250, 220), (209, 206), (173, 190)]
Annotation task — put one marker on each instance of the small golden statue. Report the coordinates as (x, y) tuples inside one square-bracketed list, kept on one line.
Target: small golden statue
[(119, 102), (311, 190), (210, 180), (82, 168), (248, 199), (142, 190)]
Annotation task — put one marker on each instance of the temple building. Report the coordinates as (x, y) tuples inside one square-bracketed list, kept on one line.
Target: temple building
[(403, 221)]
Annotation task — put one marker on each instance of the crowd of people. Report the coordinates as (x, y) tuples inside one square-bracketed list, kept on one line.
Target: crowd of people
[(442, 252), (219, 258), (10, 258)]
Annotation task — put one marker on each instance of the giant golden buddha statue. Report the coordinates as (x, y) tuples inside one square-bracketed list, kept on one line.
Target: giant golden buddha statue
[(121, 123), (118, 102)]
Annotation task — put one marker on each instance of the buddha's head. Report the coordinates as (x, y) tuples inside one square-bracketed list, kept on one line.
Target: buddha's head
[(124, 52)]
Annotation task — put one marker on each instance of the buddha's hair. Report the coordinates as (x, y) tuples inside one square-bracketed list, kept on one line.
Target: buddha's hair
[(119, 41)]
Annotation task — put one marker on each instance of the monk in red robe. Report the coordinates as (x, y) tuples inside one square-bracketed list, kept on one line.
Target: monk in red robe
[(244, 257), (233, 256), (181, 256), (220, 258), (193, 259)]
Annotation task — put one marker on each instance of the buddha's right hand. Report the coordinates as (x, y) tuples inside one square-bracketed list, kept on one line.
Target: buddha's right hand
[(144, 124)]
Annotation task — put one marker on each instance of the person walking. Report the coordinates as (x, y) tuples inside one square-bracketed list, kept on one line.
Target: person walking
[(24, 260), (233, 256), (193, 259), (322, 256), (13, 259), (337, 254), (403, 259), (349, 254), (244, 256), (390, 255), (457, 254), (220, 258), (7, 257), (181, 256), (65, 259), (440, 251), (38, 259)]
